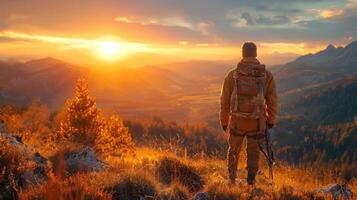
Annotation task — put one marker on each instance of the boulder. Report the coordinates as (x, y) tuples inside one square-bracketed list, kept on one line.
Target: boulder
[(84, 160), (7, 192), (337, 191), (39, 166), (201, 196)]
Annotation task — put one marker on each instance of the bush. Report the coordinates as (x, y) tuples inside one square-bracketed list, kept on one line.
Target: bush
[(114, 139), (172, 170), (134, 187), (174, 192)]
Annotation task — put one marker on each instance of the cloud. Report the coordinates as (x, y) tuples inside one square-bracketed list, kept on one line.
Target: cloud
[(261, 20), (181, 22), (200, 21), (76, 43), (276, 20), (329, 13), (248, 18)]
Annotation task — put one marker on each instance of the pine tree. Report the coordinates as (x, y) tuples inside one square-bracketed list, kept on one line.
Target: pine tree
[(82, 120), (114, 138)]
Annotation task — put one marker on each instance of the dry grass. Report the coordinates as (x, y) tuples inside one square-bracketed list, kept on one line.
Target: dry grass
[(134, 186), (174, 192), (132, 177), (73, 188), (171, 170)]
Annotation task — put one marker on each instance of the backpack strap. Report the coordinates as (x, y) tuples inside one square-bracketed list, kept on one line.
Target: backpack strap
[(235, 77)]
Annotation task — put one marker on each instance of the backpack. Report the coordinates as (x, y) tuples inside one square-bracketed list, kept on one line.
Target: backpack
[(247, 100)]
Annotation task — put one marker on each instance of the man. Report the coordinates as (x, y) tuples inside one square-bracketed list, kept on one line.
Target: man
[(248, 107)]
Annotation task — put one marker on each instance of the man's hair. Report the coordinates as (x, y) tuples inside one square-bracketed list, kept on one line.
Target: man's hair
[(249, 49)]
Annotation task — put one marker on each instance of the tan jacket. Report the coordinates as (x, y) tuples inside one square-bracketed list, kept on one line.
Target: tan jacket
[(269, 93)]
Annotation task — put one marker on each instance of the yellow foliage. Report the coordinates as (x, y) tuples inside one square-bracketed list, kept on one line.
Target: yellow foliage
[(114, 138)]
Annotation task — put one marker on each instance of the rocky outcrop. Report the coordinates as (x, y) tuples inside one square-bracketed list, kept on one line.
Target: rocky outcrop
[(337, 191), (84, 160), (21, 166), (201, 196)]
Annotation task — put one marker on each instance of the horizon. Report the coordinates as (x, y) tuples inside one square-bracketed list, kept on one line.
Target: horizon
[(116, 64)]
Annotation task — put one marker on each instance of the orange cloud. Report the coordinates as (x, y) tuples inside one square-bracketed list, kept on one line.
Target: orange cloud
[(329, 13)]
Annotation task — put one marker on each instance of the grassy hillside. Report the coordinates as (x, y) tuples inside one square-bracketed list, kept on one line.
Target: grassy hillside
[(169, 160), (151, 174)]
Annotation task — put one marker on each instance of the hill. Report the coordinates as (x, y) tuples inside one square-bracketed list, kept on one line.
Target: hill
[(49, 79), (334, 103), (319, 128), (308, 73), (177, 91)]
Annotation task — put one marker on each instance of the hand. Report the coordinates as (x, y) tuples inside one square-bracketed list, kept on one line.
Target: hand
[(224, 127), (270, 126)]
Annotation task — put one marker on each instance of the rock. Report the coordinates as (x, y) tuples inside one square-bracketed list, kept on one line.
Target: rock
[(84, 160), (15, 140), (337, 191), (40, 166), (201, 196), (7, 192)]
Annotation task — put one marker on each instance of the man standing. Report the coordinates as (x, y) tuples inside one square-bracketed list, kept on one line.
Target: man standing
[(248, 108)]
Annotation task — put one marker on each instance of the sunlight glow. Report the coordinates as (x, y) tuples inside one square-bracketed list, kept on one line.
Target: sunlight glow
[(110, 50)]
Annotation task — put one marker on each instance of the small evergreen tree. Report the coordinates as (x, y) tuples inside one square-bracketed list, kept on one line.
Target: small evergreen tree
[(82, 119), (114, 138)]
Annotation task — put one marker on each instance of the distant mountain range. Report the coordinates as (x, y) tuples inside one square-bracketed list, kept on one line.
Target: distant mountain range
[(185, 90), (167, 90), (310, 72)]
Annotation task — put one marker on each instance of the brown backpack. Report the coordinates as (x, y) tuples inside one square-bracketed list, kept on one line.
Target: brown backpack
[(247, 100)]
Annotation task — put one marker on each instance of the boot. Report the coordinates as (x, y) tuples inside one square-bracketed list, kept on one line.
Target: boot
[(232, 178), (251, 179)]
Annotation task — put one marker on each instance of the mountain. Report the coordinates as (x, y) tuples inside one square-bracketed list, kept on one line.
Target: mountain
[(320, 128), (50, 79), (308, 73), (176, 91), (334, 103)]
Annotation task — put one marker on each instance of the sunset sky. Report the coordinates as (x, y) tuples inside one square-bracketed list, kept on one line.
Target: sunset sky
[(133, 32)]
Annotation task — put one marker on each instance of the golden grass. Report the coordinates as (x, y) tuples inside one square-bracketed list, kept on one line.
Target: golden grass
[(290, 182)]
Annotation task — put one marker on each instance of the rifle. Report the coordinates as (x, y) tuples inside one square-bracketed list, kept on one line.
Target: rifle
[(268, 153)]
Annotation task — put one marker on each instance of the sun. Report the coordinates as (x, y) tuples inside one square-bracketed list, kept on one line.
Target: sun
[(110, 50)]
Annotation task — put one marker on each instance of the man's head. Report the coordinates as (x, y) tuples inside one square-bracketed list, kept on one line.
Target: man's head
[(249, 50)]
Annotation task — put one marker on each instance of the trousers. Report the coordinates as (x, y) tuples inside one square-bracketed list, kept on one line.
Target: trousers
[(253, 153)]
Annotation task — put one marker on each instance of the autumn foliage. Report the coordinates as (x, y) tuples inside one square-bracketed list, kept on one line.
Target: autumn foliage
[(82, 120), (84, 123)]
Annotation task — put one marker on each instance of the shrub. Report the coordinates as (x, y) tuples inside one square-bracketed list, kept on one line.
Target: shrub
[(174, 192), (172, 170), (134, 187), (114, 139)]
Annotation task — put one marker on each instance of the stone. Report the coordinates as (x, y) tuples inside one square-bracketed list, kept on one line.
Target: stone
[(337, 191), (201, 196), (85, 160), (40, 165)]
